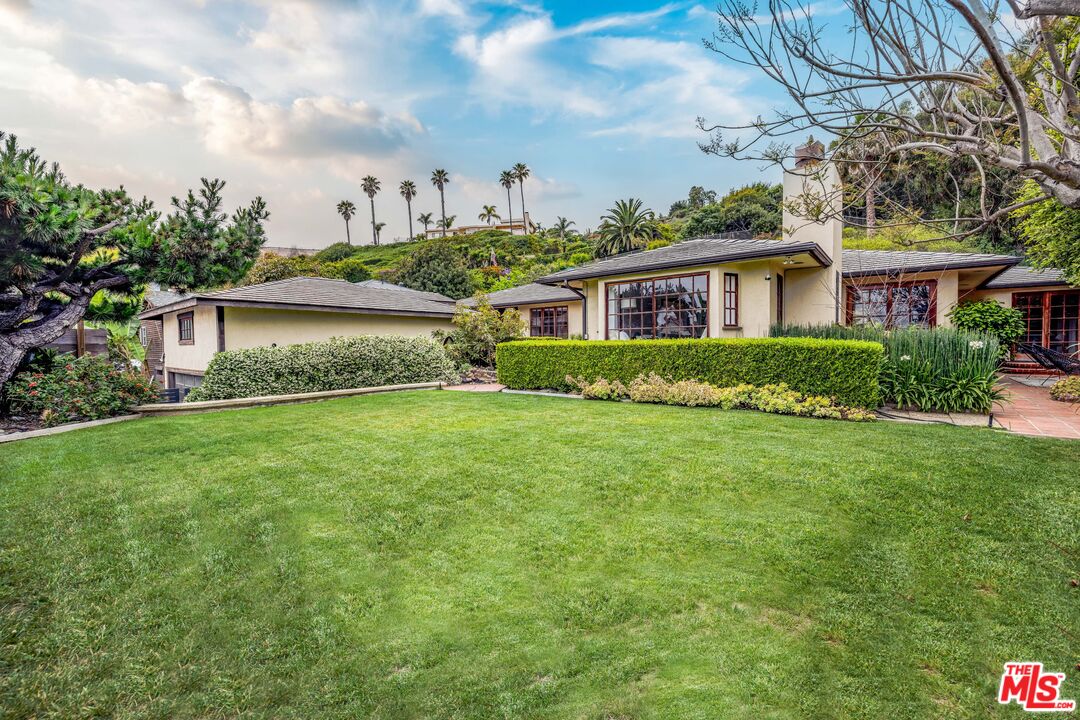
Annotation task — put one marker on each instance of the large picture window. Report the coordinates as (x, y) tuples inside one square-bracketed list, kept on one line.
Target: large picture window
[(549, 322), (664, 307), (186, 327), (893, 305)]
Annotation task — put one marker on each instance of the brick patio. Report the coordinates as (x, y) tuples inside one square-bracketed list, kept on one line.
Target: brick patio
[(1032, 412)]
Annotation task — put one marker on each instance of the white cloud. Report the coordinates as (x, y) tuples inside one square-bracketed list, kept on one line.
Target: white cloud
[(679, 82), (231, 120)]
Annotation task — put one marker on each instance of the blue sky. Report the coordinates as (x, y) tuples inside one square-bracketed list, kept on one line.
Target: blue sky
[(296, 100)]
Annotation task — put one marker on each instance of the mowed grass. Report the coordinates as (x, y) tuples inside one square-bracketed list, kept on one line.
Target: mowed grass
[(452, 555)]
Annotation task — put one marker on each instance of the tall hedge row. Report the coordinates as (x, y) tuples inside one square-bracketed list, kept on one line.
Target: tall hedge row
[(846, 370), (335, 364)]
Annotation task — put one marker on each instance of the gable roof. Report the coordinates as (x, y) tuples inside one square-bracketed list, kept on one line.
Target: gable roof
[(383, 285), (881, 262), (688, 253), (530, 294), (321, 294), (1024, 276)]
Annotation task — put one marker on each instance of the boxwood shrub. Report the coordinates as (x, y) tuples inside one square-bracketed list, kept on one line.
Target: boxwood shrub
[(845, 370), (335, 364)]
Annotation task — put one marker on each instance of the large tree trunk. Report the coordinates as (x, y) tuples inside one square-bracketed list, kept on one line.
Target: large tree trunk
[(408, 207), (15, 343), (442, 206), (10, 357)]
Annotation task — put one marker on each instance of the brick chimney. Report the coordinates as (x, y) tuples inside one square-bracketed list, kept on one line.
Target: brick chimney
[(809, 154)]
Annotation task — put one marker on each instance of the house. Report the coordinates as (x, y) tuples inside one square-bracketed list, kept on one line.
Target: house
[(731, 287), (516, 226), (151, 333), (548, 311), (283, 312)]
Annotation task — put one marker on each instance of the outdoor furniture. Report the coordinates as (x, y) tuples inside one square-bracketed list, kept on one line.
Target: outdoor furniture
[(1051, 359)]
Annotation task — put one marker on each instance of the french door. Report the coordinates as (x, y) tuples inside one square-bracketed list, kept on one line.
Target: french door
[(1051, 319)]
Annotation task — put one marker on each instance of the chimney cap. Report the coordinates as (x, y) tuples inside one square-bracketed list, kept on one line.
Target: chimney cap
[(810, 153)]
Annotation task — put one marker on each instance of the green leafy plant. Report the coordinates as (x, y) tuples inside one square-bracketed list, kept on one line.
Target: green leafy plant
[(87, 388), (1066, 390), (478, 330), (779, 399), (436, 267), (335, 364), (270, 267), (846, 371), (939, 369), (989, 317)]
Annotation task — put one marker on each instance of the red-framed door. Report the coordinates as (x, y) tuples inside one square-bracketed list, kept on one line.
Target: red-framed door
[(1051, 319)]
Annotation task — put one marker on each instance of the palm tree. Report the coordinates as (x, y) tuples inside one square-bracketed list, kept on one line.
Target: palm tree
[(562, 227), (439, 178), (521, 171), (625, 227), (506, 179), (408, 191), (346, 209), (446, 222), (488, 214), (378, 231), (426, 219), (370, 186)]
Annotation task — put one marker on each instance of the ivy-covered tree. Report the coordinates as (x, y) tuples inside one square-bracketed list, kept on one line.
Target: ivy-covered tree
[(61, 244), (436, 267)]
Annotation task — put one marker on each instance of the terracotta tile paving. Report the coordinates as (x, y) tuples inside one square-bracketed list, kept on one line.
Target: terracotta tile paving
[(1032, 412)]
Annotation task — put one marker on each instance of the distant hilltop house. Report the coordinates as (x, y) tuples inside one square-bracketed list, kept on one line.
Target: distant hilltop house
[(288, 251), (517, 226)]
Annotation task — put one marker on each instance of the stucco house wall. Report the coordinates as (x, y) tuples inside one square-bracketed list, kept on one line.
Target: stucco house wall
[(257, 327), (573, 320)]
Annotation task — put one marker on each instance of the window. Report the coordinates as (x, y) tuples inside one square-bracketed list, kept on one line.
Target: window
[(549, 322), (664, 307), (894, 305), (186, 324), (1030, 306), (780, 299), (143, 339), (731, 300)]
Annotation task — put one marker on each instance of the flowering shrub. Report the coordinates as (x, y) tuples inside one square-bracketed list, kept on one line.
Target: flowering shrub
[(88, 388), (1066, 390), (779, 399)]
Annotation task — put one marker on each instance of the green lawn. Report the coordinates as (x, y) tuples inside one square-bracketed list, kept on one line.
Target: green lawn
[(451, 555)]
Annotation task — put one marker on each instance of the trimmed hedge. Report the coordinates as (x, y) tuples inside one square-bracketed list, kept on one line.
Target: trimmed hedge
[(335, 364), (845, 370)]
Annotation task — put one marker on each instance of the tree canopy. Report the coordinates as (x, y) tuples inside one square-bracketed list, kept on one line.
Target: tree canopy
[(62, 243), (753, 208), (436, 267)]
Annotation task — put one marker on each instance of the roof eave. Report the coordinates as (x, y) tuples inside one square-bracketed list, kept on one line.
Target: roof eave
[(813, 249), (933, 268), (448, 313)]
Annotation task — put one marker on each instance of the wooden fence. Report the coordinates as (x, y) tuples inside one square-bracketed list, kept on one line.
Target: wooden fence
[(95, 342)]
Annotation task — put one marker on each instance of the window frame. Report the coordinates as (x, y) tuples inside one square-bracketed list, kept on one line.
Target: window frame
[(732, 295), (605, 298), (889, 286), (180, 318), (779, 299), (555, 310)]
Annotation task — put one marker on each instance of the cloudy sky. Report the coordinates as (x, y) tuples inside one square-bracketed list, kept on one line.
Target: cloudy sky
[(296, 100)]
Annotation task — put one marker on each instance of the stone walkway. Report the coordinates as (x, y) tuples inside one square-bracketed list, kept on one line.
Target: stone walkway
[(1030, 411)]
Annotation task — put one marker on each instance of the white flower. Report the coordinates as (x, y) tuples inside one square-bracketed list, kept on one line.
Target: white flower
[(976, 344), (905, 358)]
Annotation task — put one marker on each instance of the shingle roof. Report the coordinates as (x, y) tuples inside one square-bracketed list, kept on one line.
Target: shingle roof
[(156, 295), (383, 285), (686, 254), (878, 262), (528, 295), (319, 294), (1023, 276)]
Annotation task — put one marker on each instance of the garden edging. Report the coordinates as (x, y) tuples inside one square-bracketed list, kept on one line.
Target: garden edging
[(185, 408), (42, 432)]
